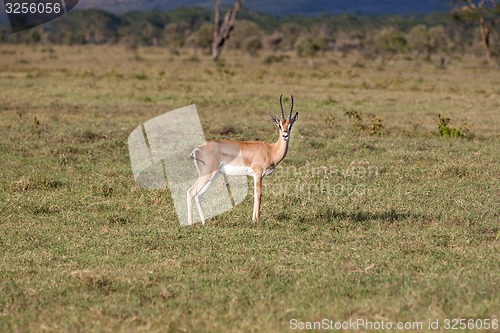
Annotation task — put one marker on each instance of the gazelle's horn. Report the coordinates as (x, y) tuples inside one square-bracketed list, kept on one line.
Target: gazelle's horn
[(291, 108), (281, 107)]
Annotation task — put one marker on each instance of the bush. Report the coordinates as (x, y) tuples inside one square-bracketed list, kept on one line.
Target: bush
[(438, 39), (390, 42), (252, 45), (418, 41), (310, 47), (243, 31), (203, 38), (447, 131), (291, 32), (173, 35), (356, 118), (376, 126)]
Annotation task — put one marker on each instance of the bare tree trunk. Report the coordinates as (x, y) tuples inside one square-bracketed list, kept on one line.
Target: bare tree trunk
[(485, 39), (215, 53), (483, 28), (222, 32)]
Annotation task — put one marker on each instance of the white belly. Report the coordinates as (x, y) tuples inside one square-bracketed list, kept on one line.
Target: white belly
[(236, 170)]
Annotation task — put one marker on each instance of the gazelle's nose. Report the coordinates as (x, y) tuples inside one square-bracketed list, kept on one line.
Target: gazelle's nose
[(285, 135)]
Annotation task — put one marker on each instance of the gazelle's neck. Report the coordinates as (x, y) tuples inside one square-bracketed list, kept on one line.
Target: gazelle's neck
[(279, 149)]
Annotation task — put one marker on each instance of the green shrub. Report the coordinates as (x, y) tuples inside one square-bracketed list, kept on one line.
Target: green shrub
[(330, 120), (376, 126), (356, 119), (447, 131)]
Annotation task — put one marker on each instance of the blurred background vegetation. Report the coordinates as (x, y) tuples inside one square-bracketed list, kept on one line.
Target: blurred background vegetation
[(433, 37)]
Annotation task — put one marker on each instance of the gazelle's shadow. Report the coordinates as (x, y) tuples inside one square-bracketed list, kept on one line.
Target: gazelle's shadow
[(389, 216)]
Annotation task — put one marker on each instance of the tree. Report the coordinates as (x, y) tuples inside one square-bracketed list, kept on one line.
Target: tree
[(222, 31), (173, 35), (426, 42), (438, 39), (246, 29), (309, 46), (291, 32), (418, 41), (389, 42), (202, 38), (486, 13)]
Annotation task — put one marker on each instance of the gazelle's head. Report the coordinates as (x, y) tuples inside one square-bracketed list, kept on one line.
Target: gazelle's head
[(285, 124)]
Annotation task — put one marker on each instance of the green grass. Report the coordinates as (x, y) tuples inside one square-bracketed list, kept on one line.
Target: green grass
[(401, 226)]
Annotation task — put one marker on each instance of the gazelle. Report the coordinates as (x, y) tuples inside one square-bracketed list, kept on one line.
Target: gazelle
[(239, 158)]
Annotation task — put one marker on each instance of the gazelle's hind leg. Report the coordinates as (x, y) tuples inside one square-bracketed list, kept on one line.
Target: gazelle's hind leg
[(190, 205), (198, 196), (201, 186), (192, 193), (203, 178)]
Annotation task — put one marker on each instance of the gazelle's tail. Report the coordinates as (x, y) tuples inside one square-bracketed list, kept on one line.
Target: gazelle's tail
[(194, 155)]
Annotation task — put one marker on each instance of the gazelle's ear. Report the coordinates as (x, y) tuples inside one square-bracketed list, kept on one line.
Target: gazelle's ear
[(295, 118), (273, 118)]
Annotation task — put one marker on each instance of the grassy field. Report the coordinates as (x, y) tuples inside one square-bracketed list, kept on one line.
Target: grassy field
[(378, 218)]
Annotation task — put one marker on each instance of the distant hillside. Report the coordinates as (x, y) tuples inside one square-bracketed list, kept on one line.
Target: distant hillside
[(284, 7)]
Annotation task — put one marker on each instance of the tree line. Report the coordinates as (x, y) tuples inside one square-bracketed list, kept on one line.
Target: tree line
[(421, 38)]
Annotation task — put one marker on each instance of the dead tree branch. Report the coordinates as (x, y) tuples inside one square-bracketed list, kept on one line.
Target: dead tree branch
[(222, 32)]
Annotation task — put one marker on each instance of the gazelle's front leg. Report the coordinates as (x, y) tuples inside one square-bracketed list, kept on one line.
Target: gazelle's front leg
[(257, 181)]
